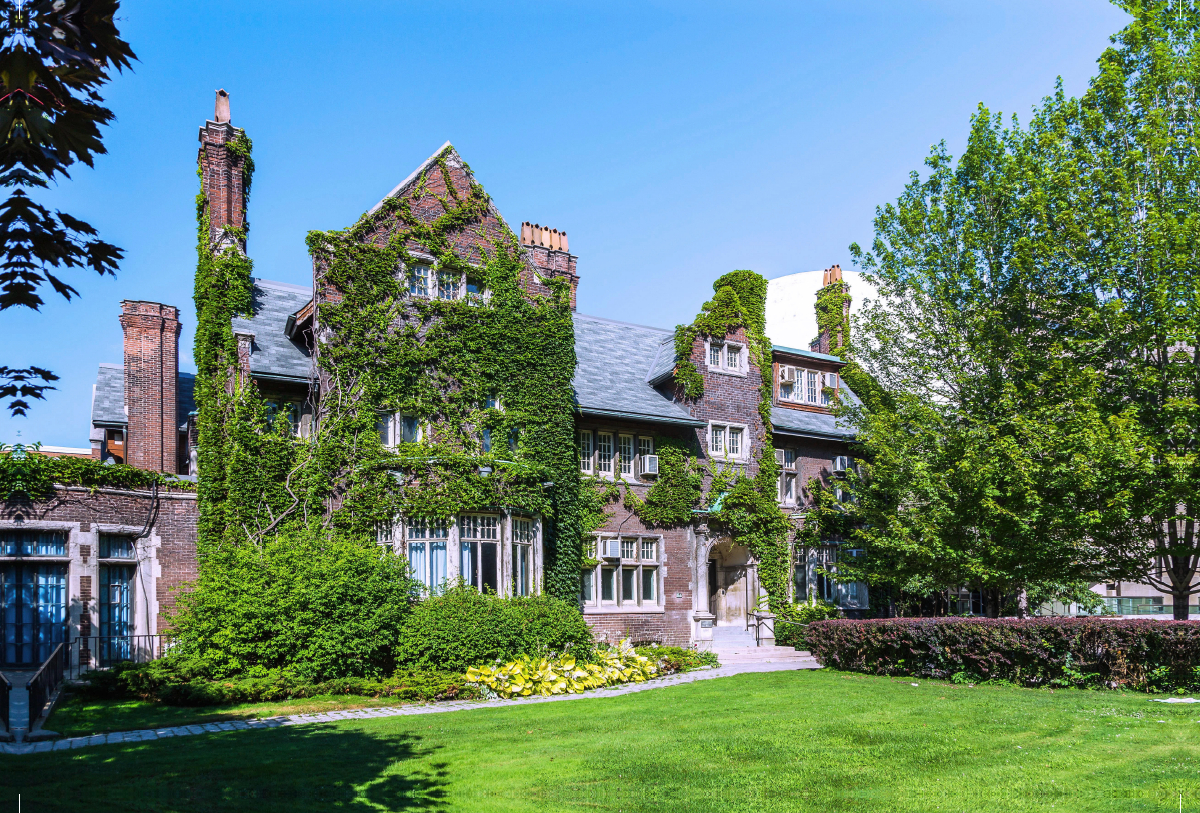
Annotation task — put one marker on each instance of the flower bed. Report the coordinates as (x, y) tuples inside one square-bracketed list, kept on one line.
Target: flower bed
[(1145, 655)]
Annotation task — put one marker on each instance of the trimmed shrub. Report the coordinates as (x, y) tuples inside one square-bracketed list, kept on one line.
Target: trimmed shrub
[(160, 681), (791, 622), (1139, 654), (323, 606), (465, 628)]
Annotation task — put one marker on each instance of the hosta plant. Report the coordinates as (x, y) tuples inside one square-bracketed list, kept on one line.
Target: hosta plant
[(562, 674)]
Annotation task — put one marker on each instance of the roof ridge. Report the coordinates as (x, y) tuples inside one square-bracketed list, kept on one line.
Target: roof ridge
[(284, 286), (411, 177), (112, 366), (667, 331)]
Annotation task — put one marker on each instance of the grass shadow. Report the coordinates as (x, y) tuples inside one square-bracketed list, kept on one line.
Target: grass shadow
[(297, 768)]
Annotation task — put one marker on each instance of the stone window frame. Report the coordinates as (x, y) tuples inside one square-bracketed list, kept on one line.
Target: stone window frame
[(637, 565), (723, 368), (743, 455), (395, 428)]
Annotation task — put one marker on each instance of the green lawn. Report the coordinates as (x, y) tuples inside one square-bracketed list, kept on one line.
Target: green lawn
[(75, 716), (783, 741)]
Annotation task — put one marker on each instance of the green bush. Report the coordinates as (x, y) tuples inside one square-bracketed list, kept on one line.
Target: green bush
[(791, 624), (321, 606), (465, 628), (168, 681), (671, 659)]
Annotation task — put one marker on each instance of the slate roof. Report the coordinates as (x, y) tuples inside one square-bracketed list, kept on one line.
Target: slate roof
[(274, 354), (818, 424), (108, 396), (615, 362)]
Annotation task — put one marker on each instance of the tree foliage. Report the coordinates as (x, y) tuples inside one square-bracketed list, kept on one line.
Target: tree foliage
[(1036, 334), (54, 58)]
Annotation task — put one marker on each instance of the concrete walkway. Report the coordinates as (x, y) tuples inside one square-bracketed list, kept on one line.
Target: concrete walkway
[(146, 735)]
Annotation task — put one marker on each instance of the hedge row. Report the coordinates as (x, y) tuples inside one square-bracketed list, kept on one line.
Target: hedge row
[(1140, 654)]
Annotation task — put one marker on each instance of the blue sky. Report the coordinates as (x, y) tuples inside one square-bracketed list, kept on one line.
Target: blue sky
[(672, 141)]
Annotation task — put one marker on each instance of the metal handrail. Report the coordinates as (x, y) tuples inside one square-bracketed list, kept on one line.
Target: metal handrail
[(101, 651), (43, 683)]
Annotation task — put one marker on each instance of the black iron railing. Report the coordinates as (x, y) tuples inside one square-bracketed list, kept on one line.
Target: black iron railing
[(101, 651), (42, 685), (5, 693)]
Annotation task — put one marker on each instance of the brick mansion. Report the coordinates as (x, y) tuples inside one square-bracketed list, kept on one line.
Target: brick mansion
[(109, 562)]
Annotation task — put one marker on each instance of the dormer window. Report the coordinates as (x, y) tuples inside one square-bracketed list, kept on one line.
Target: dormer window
[(800, 386), (726, 357)]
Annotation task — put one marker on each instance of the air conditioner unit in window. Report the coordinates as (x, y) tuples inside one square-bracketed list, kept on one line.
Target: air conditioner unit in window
[(650, 464), (779, 456), (787, 375), (840, 464), (610, 549)]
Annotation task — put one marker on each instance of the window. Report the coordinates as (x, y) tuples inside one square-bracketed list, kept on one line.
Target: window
[(288, 411), (418, 280), (479, 540), (645, 446), (33, 543), (724, 356), (831, 384), (116, 547), (789, 458), (631, 583), (522, 556), (604, 452), (585, 451), (448, 284), (427, 539), (728, 442), (787, 391), (514, 439), (397, 428), (626, 454), (789, 489), (812, 387), (116, 620), (33, 612), (485, 441)]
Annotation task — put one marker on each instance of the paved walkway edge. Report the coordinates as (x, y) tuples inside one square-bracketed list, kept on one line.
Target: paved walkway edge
[(148, 734)]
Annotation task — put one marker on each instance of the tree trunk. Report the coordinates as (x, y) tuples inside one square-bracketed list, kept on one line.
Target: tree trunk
[(1179, 603)]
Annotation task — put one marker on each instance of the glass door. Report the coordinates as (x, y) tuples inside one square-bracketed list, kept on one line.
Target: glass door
[(33, 608), (116, 613)]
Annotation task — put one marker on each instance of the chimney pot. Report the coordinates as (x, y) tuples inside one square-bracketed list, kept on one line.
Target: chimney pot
[(222, 111)]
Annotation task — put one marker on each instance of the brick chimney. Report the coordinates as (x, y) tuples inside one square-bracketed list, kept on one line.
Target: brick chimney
[(221, 177), (827, 341), (151, 374), (547, 249)]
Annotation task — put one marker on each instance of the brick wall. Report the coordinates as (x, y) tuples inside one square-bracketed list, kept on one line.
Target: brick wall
[(173, 535), (151, 375), (731, 398), (221, 179)]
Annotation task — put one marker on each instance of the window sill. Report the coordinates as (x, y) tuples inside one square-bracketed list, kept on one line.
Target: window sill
[(723, 371), (614, 610)]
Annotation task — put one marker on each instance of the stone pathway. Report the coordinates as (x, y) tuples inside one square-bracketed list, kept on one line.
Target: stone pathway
[(146, 735)]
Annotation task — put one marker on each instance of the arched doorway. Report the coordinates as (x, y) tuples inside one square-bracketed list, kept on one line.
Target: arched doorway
[(731, 584)]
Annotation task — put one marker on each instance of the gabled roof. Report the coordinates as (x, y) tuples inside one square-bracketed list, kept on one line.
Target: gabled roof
[(274, 354), (614, 363), (411, 180)]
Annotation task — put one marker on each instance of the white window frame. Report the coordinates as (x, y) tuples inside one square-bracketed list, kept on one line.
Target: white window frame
[(412, 276), (393, 425), (587, 451), (426, 532), (524, 539), (638, 565), (612, 454), (625, 461), (743, 454), (645, 446), (485, 521), (826, 384)]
